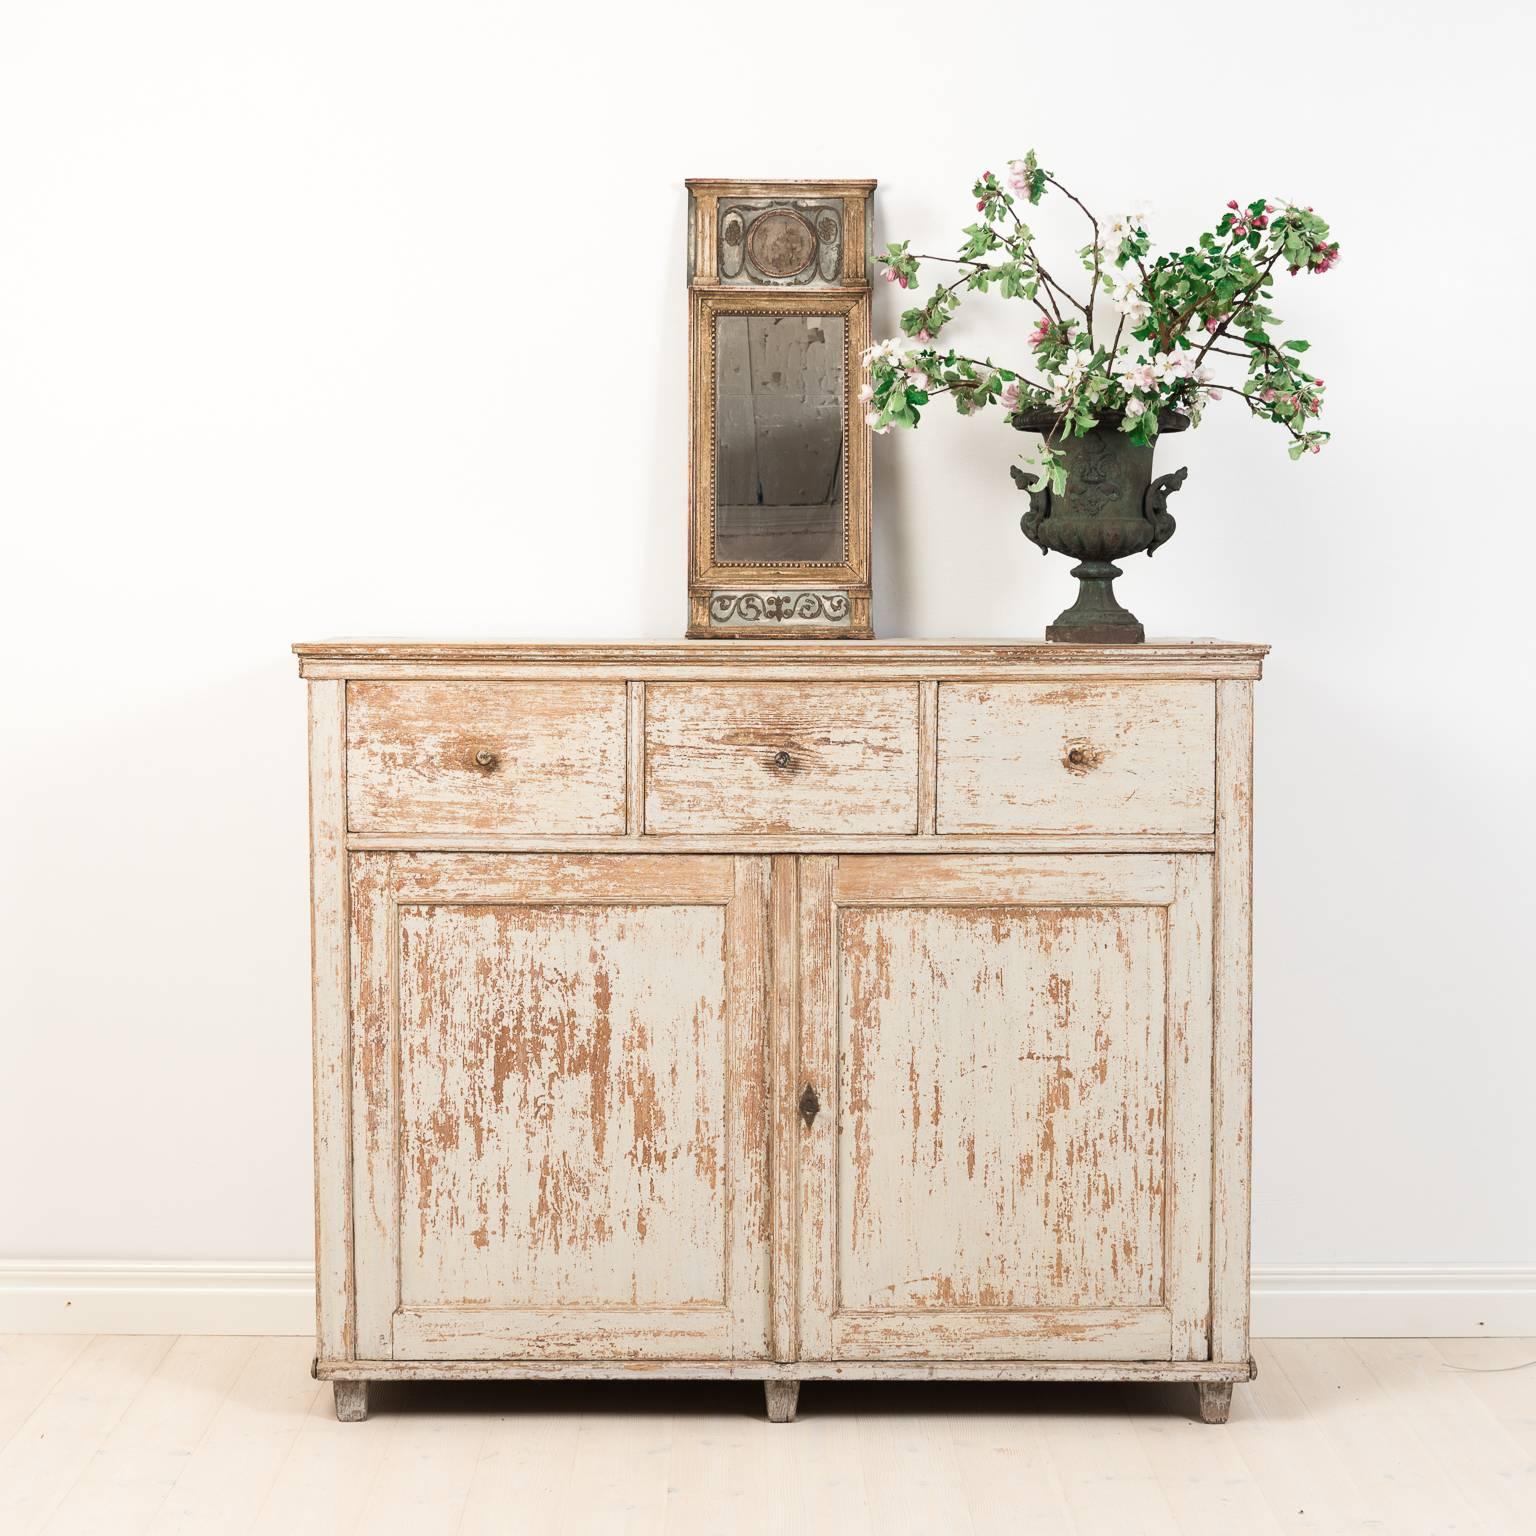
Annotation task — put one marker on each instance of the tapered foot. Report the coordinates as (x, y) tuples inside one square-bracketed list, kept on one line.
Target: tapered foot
[(782, 1397), (351, 1401), (1215, 1401)]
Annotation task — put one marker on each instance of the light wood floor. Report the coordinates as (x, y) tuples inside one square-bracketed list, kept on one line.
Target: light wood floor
[(113, 1436)]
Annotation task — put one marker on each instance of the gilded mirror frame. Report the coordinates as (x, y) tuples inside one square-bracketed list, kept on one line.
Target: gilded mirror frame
[(790, 598)]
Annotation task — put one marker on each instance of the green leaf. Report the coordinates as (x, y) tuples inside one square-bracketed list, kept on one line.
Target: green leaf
[(1298, 346)]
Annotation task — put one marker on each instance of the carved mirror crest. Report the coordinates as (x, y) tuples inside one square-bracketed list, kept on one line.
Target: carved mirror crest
[(779, 459)]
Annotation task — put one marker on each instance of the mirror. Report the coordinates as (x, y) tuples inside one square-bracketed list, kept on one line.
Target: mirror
[(778, 448), (779, 439)]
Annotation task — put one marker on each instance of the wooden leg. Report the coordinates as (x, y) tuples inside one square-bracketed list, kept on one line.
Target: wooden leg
[(351, 1401), (782, 1397), (1215, 1401)]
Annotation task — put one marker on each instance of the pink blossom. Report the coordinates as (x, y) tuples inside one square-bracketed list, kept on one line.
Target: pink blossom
[(1216, 321), (1232, 202), (1269, 207), (981, 203), (890, 274), (1261, 221), (1009, 399), (1041, 332), (1267, 396), (902, 279), (1317, 447), (923, 335)]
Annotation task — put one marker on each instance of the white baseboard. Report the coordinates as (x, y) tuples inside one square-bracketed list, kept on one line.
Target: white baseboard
[(1289, 1301), (1392, 1301), (129, 1296)]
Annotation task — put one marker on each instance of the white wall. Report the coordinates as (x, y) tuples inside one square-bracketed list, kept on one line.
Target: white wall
[(333, 317)]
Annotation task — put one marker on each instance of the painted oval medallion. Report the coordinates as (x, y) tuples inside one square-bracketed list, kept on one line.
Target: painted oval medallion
[(781, 243)]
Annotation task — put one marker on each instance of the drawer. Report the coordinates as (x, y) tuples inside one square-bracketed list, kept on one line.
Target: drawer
[(1126, 758), (781, 757), (536, 758)]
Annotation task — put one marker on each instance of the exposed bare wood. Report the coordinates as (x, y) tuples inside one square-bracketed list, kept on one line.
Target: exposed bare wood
[(799, 1370), (568, 1060), (1215, 1401), (1063, 1333), (1029, 666), (927, 757), (789, 842), (1187, 1055), (781, 1397), (495, 757), (351, 1400), (932, 658), (1076, 757), (781, 758), (1232, 1083), (1036, 879), (817, 1038), (784, 1164), (332, 1042), (634, 782), (565, 1151)]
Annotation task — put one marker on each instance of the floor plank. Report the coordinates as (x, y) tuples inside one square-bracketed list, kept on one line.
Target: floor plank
[(1301, 1470), (160, 1437), (145, 1454), (1200, 1470), (30, 1365), (226, 1482), (1406, 1490), (56, 1441)]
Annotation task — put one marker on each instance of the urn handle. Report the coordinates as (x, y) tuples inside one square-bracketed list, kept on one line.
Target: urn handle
[(1039, 492), (1154, 507)]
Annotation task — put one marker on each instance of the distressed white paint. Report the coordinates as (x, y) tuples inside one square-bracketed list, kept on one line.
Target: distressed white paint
[(781, 757), (505, 757), (575, 1076), (561, 1149), (1075, 757)]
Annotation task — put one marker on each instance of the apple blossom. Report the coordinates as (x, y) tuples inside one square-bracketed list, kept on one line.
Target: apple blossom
[(1204, 302)]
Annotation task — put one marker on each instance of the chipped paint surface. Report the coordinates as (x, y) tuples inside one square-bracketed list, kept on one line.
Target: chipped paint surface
[(562, 1147), (1076, 757), (1002, 1139), (781, 757), (556, 1089), (562, 1105), (486, 757)]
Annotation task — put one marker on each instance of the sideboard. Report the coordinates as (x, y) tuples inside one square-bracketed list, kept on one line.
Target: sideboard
[(781, 1010)]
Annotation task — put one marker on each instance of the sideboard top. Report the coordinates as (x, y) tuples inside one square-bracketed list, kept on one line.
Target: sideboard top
[(1191, 657)]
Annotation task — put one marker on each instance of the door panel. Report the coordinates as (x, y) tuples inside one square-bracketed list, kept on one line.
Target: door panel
[(561, 1144), (1020, 1048)]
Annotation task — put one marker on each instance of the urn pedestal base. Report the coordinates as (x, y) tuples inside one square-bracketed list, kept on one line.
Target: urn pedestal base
[(1096, 618)]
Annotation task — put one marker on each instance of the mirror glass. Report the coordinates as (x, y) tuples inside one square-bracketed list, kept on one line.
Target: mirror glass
[(778, 438)]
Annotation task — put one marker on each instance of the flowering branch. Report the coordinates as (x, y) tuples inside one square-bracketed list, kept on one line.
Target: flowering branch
[(1171, 313)]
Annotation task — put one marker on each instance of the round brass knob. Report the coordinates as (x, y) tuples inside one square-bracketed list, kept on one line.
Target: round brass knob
[(485, 758), (783, 760)]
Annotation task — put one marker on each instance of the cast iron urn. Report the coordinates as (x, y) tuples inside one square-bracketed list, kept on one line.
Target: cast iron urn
[(1112, 507)]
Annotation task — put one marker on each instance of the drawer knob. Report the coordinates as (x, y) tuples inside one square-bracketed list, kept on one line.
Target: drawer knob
[(1081, 756), (783, 760), (486, 759)]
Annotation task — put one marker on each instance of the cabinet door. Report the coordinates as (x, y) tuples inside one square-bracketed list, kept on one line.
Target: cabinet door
[(559, 1134), (1013, 1055)]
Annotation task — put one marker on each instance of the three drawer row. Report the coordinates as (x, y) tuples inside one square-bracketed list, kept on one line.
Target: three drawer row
[(553, 759)]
